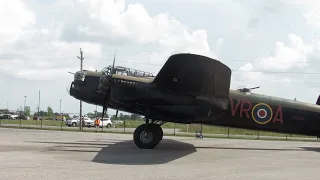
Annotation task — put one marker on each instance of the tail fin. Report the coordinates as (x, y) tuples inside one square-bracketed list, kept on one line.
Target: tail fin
[(318, 101), (195, 75)]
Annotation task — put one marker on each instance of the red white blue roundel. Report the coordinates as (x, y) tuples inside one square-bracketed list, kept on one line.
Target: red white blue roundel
[(262, 113)]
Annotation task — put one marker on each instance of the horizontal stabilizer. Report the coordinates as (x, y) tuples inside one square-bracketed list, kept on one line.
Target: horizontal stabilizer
[(195, 75), (318, 101)]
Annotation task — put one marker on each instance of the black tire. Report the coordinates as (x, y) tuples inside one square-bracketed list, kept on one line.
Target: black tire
[(157, 129), (108, 125), (153, 134), (74, 124)]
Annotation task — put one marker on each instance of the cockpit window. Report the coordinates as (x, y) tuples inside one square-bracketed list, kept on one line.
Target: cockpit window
[(120, 70)]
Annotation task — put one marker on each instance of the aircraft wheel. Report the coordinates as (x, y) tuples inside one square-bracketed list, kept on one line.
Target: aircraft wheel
[(157, 129), (147, 138)]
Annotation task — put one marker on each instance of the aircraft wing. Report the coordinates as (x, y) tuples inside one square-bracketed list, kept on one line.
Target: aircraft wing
[(196, 75)]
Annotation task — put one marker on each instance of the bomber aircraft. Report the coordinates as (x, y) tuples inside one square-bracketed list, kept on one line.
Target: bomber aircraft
[(192, 88)]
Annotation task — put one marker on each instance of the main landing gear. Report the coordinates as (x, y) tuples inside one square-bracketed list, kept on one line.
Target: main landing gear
[(148, 136)]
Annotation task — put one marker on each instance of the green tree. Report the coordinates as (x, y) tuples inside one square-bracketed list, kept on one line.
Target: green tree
[(120, 117), (43, 113), (50, 111), (99, 114), (27, 111)]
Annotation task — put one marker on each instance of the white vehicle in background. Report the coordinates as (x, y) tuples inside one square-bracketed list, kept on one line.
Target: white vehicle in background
[(117, 122), (14, 116), (105, 122), (76, 122)]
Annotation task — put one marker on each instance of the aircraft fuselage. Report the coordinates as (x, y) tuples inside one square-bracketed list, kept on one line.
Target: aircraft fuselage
[(244, 110)]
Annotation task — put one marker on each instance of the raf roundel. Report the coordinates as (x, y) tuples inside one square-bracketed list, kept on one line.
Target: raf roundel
[(262, 113)]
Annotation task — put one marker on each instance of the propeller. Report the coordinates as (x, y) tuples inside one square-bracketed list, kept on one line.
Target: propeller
[(108, 88)]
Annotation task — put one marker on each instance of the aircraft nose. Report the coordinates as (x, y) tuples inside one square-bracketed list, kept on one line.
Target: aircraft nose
[(80, 75)]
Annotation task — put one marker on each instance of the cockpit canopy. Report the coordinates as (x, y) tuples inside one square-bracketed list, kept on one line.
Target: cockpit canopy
[(126, 71)]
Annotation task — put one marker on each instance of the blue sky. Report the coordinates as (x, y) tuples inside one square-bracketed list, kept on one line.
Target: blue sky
[(43, 37)]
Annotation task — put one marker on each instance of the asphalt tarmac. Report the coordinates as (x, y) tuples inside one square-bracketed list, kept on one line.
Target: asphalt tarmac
[(54, 155), (165, 130)]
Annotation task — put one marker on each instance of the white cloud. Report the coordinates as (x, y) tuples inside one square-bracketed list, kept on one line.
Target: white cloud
[(42, 41), (310, 10), (102, 20), (13, 18), (313, 18), (293, 56)]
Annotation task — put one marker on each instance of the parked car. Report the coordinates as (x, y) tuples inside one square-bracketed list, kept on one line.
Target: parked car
[(117, 122), (75, 122), (6, 116), (105, 122), (24, 117), (36, 118)]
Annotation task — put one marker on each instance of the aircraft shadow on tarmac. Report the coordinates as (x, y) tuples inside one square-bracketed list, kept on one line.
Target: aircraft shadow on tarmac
[(315, 149), (126, 152), (249, 149)]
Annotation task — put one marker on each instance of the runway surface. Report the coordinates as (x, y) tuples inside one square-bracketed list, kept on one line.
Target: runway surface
[(51, 155)]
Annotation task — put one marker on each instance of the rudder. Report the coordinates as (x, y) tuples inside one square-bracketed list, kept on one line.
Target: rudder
[(318, 101)]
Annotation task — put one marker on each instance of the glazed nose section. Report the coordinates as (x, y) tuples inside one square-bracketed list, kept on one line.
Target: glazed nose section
[(78, 82), (79, 76)]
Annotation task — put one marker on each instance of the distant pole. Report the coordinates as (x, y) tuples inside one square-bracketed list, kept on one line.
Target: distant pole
[(39, 109), (20, 116), (24, 108), (60, 107), (124, 125), (61, 123), (81, 65), (61, 116), (96, 112)]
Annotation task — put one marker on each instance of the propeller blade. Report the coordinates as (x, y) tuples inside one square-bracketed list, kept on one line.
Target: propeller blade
[(108, 93), (255, 87), (106, 99), (114, 60)]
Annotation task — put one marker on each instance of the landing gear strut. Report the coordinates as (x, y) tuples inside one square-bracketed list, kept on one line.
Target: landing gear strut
[(148, 136)]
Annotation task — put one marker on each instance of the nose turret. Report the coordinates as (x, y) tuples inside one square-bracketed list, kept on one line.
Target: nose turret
[(80, 75)]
